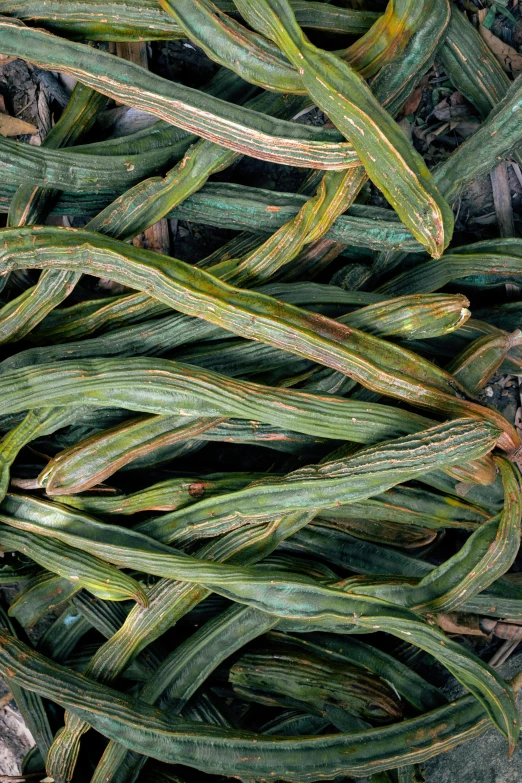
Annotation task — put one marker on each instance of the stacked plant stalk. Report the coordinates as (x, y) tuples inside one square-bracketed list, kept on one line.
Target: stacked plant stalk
[(246, 501)]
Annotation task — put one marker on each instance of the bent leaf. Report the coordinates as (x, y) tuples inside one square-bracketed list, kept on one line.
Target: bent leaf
[(390, 161)]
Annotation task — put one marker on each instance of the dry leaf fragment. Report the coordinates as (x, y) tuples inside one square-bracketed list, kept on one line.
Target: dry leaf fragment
[(467, 127), (460, 623), (509, 58), (412, 104), (12, 126), (456, 112), (502, 200)]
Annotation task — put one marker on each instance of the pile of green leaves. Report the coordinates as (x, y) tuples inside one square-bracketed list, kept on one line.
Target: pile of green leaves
[(224, 483)]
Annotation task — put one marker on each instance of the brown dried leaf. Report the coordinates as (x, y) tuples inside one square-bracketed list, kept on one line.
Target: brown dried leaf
[(456, 99), (12, 126), (412, 104), (457, 112), (460, 623), (509, 631), (509, 58), (502, 200), (436, 132), (467, 127)]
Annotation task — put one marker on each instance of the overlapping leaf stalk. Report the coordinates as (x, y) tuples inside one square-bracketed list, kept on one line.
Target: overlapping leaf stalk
[(218, 605)]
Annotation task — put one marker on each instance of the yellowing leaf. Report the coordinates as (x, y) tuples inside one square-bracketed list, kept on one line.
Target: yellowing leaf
[(12, 126)]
